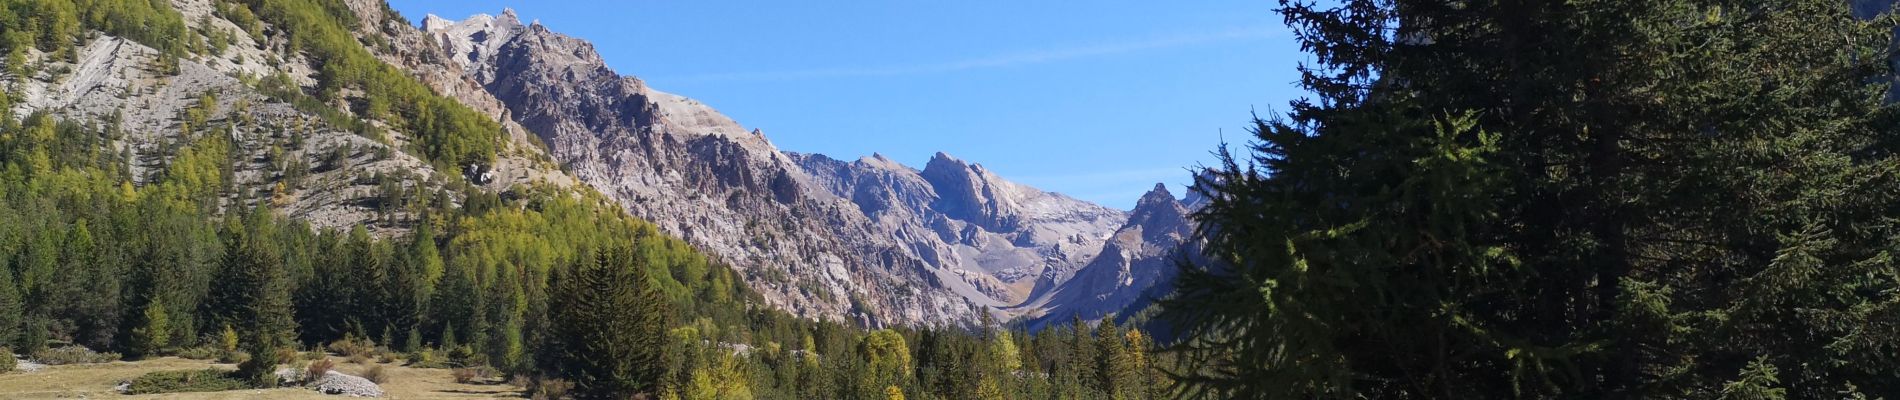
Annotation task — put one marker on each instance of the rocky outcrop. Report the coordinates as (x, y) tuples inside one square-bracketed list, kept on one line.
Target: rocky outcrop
[(111, 83), (1142, 255), (339, 383)]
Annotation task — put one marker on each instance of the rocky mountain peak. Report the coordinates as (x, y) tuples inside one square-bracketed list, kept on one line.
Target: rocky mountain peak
[(476, 39), (1138, 257), (945, 162), (1159, 208), (969, 193), (880, 162), (1156, 196)]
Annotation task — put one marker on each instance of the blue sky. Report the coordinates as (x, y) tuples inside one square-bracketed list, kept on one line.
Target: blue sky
[(1097, 100)]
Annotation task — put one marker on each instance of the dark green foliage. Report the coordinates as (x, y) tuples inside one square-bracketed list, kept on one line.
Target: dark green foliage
[(10, 317), (209, 380), (254, 295), (32, 336), (1582, 199), (612, 332), (71, 355)]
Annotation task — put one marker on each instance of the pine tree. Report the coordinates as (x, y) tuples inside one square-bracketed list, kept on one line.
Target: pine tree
[(612, 326), (1114, 368), (458, 305), (368, 283), (424, 258), (1579, 199), (261, 304), (447, 340), (1077, 373), (403, 296), (412, 342)]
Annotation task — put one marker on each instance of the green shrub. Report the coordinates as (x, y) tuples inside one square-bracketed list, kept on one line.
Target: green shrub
[(201, 353), (426, 358), (209, 380), (73, 355), (7, 362), (463, 356)]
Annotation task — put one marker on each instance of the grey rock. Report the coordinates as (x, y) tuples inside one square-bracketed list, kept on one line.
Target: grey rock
[(339, 383), (1142, 256)]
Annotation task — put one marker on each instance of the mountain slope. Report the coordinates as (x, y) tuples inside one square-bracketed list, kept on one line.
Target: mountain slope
[(335, 171), (379, 130), (868, 240)]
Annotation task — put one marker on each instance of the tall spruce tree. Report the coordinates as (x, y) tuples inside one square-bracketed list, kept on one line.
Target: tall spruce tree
[(611, 325), (1580, 199), (403, 297), (260, 295), (458, 304), (1115, 371)]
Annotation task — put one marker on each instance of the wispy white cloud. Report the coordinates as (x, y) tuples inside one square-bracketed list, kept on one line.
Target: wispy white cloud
[(998, 61)]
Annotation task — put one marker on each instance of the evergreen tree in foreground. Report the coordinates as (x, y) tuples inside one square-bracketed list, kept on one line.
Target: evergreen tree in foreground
[(1577, 199), (611, 335), (259, 297)]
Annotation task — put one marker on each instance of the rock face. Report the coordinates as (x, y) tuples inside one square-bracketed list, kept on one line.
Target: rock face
[(1141, 256), (868, 240)]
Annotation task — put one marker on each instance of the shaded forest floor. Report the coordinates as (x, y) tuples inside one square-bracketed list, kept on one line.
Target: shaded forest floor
[(98, 381)]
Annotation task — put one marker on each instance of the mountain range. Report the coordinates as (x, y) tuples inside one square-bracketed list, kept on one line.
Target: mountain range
[(866, 240), (869, 239)]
